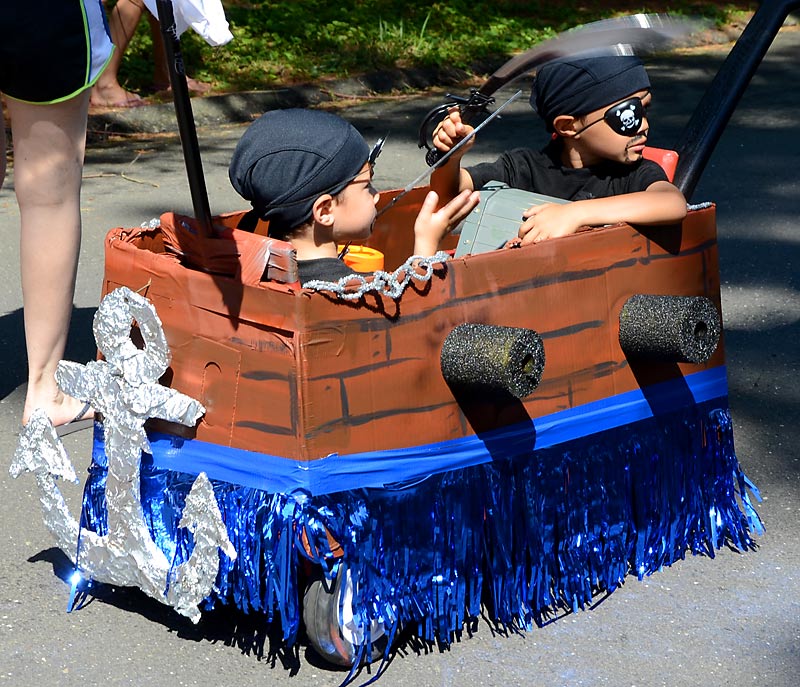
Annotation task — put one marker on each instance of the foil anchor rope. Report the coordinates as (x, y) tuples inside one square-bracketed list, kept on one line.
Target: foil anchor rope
[(124, 388)]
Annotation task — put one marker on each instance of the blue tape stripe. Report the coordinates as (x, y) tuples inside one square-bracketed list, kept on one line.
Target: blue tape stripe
[(341, 472)]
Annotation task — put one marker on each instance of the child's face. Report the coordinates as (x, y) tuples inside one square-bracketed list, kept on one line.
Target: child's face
[(354, 208), (599, 141)]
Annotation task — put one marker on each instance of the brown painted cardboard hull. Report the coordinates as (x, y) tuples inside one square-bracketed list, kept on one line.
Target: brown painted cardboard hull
[(300, 374)]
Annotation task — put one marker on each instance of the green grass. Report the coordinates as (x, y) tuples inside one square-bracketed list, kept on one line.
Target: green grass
[(306, 40)]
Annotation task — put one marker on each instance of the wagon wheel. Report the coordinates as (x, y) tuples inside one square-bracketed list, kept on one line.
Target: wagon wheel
[(321, 617)]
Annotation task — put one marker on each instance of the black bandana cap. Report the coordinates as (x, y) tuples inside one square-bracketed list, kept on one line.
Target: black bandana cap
[(578, 86), (288, 158)]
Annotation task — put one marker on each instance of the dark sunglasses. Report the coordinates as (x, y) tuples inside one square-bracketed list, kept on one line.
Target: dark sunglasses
[(376, 151), (624, 118)]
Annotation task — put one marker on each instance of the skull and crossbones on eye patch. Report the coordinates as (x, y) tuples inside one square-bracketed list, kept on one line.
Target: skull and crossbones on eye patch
[(624, 118), (628, 119)]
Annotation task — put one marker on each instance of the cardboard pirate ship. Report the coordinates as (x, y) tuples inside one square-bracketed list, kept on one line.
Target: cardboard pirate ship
[(362, 434), (515, 432)]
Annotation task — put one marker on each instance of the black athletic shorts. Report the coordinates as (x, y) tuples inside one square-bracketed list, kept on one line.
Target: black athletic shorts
[(51, 50)]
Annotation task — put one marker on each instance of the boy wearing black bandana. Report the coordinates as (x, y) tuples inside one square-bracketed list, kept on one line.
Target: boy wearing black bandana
[(596, 110), (309, 173)]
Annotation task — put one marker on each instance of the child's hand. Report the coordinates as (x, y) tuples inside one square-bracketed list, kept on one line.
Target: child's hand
[(548, 221), (450, 131), (433, 225)]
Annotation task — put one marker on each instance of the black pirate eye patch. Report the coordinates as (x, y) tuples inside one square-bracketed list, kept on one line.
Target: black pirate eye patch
[(624, 118)]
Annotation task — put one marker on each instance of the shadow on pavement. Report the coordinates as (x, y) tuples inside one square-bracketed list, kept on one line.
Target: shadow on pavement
[(80, 346)]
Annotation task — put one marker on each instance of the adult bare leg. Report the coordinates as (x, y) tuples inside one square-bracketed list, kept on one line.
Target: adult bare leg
[(49, 144), (123, 19), (161, 80)]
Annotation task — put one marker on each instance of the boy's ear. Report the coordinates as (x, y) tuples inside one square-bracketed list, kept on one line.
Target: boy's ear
[(565, 125), (322, 210)]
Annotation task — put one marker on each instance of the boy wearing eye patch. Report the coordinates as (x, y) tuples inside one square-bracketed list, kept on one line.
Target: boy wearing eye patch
[(596, 111)]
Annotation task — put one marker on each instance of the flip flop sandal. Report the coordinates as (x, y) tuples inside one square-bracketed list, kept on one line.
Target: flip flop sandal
[(77, 423)]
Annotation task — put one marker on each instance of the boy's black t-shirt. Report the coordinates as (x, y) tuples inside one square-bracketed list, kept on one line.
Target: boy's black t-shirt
[(322, 269), (542, 171)]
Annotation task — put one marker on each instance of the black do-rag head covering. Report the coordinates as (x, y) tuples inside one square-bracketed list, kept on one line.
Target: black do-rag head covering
[(578, 86), (288, 158)]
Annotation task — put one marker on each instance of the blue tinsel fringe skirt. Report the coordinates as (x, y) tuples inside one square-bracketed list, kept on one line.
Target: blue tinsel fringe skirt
[(525, 536)]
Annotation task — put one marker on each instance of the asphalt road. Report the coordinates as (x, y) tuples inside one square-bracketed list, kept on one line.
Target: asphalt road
[(733, 620)]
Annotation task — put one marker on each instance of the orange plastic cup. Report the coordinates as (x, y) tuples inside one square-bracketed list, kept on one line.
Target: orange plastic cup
[(363, 258)]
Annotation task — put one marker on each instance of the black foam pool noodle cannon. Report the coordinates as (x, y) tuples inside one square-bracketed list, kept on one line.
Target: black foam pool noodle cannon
[(678, 329), (486, 359)]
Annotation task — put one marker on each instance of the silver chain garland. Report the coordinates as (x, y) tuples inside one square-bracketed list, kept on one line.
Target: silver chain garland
[(699, 206), (354, 286)]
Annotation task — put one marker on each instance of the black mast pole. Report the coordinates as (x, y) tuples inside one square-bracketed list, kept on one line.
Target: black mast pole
[(711, 116), (183, 111)]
